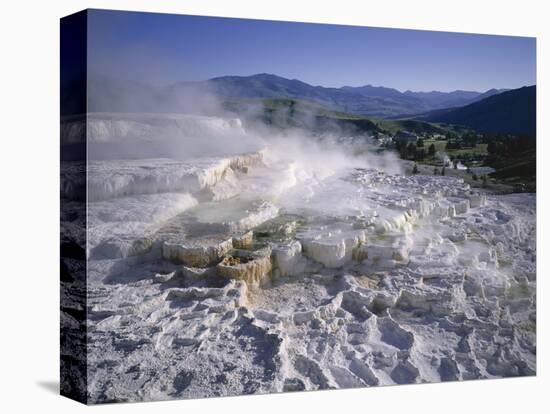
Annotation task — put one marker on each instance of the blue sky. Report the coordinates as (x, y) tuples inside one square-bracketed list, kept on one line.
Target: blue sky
[(164, 48)]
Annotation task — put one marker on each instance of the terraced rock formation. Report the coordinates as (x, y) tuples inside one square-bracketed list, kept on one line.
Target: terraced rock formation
[(254, 273)]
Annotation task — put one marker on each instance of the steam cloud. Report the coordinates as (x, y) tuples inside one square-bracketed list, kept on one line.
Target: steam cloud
[(131, 120)]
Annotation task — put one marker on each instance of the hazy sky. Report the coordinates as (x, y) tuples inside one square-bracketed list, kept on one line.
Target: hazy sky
[(164, 48)]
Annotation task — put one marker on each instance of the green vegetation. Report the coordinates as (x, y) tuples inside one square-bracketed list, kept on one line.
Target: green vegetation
[(289, 112), (286, 104), (453, 151), (514, 159), (285, 113), (392, 126)]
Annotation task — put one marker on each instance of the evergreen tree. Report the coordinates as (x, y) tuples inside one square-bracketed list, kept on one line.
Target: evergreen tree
[(411, 149), (484, 180)]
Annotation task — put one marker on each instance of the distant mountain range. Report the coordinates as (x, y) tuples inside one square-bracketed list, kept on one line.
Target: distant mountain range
[(511, 112), (107, 94), (496, 110), (362, 100)]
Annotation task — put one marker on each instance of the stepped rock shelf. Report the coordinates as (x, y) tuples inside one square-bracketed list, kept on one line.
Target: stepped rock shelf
[(251, 273)]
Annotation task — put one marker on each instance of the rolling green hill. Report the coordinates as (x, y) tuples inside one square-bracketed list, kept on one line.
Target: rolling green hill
[(298, 113), (413, 125)]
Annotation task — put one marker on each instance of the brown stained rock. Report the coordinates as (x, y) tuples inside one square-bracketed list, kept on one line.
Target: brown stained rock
[(244, 241), (197, 253), (251, 267)]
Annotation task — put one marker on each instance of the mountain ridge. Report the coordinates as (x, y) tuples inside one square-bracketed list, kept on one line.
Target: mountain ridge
[(367, 100), (510, 112), (120, 95)]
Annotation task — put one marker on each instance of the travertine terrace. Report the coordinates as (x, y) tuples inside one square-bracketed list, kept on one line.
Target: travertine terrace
[(254, 271)]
